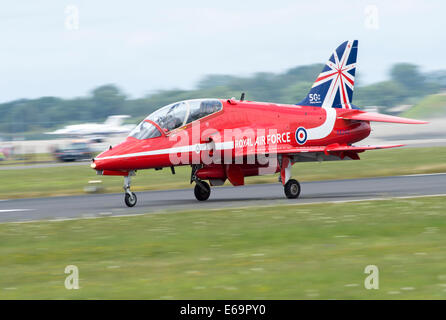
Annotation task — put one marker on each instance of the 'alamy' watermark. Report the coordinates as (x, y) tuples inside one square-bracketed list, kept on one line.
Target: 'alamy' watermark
[(72, 280), (71, 17), (371, 19), (372, 280)]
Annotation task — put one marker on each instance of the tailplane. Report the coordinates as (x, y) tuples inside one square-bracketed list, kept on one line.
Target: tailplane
[(334, 86), (360, 115)]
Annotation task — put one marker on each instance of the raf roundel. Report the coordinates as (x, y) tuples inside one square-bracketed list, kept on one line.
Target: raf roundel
[(301, 135)]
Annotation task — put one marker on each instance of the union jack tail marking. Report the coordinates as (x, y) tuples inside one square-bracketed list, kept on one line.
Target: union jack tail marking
[(334, 86)]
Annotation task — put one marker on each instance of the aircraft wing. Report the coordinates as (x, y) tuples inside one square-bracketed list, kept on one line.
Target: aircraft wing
[(373, 116), (336, 150)]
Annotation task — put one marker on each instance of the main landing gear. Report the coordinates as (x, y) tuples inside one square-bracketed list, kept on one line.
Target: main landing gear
[(292, 189), (130, 197), (202, 189)]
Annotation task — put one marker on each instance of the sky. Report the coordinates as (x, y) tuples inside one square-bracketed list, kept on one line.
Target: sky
[(67, 48)]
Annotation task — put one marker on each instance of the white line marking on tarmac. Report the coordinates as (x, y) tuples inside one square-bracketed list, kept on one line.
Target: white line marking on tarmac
[(422, 174), (380, 199), (14, 210)]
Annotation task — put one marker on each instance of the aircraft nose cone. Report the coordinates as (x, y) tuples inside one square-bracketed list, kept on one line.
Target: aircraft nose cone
[(112, 158), (103, 162)]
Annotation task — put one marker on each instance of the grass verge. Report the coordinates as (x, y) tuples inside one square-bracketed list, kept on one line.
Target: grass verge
[(284, 252), (430, 107)]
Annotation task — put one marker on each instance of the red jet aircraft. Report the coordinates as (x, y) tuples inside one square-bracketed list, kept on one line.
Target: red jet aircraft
[(232, 139)]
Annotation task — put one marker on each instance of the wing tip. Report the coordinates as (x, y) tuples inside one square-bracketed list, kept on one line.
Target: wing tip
[(395, 146)]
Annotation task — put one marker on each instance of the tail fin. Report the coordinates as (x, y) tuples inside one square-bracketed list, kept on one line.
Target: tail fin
[(334, 86)]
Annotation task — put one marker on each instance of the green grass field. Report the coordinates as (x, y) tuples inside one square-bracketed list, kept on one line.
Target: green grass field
[(72, 180), (430, 107), (316, 251), (31, 158)]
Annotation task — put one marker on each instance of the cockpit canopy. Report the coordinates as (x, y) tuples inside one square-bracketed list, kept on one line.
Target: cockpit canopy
[(145, 130), (174, 116)]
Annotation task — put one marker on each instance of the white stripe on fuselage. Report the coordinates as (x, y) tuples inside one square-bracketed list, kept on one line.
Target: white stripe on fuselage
[(182, 149), (326, 128)]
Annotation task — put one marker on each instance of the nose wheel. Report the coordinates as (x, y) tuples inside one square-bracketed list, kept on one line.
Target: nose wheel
[(130, 198), (292, 189)]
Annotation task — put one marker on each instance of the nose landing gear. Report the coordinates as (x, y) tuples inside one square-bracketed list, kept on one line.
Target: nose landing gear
[(130, 198), (202, 189)]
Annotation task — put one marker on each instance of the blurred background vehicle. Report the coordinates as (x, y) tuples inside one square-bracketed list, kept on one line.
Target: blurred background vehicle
[(6, 151), (75, 151)]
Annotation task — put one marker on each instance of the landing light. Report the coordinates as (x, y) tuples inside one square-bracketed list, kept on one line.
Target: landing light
[(93, 165)]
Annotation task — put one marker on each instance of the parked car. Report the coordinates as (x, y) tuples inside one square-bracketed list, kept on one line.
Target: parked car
[(5, 152), (73, 152)]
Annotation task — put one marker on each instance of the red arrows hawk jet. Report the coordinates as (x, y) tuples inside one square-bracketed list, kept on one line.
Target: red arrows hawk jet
[(233, 139)]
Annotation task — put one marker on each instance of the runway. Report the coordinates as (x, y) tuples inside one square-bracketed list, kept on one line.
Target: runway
[(97, 205), (43, 165)]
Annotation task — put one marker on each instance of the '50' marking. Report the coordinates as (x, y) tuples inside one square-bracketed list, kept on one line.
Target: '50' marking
[(314, 97)]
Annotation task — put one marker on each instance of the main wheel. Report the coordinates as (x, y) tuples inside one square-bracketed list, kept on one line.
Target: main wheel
[(292, 189), (201, 193), (130, 200)]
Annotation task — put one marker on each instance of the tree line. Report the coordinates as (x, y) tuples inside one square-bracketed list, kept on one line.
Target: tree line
[(406, 85)]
